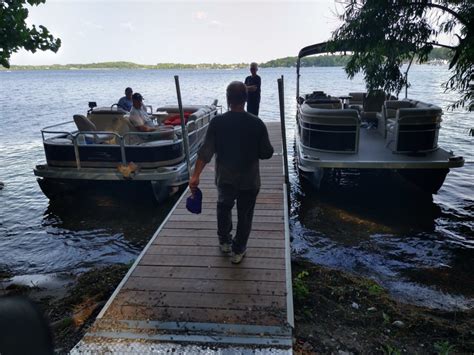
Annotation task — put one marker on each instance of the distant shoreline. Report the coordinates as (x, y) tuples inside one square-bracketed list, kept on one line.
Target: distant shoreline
[(177, 67), (436, 57)]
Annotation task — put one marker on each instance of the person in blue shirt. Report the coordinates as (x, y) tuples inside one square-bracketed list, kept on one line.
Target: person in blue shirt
[(125, 103)]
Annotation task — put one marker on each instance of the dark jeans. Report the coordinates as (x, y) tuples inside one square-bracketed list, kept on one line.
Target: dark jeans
[(252, 107), (245, 206)]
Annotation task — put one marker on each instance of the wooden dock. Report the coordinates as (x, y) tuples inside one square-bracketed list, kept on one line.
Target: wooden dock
[(182, 293)]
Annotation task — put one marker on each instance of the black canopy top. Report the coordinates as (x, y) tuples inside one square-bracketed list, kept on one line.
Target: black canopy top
[(323, 47)]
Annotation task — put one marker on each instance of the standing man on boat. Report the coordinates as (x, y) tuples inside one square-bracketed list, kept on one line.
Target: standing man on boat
[(125, 103), (239, 140), (138, 116), (253, 83)]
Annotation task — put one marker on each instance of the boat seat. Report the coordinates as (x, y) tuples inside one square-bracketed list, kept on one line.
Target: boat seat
[(175, 108), (106, 120), (357, 101), (373, 103), (414, 129), (157, 143), (357, 98), (58, 140), (335, 105), (330, 130), (389, 112), (84, 124)]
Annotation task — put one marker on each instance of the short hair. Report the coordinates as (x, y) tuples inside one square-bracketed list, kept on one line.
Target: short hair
[(253, 65), (128, 89), (236, 93)]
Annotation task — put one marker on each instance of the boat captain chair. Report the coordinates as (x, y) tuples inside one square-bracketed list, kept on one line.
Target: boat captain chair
[(356, 101), (84, 124), (372, 104)]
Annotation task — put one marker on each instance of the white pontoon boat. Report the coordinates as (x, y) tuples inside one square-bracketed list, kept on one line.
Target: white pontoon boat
[(104, 151), (369, 132)]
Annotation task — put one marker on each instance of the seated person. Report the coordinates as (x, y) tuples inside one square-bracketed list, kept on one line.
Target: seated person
[(138, 116), (125, 103)]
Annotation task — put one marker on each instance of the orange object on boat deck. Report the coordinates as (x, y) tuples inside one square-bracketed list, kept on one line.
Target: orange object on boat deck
[(175, 120)]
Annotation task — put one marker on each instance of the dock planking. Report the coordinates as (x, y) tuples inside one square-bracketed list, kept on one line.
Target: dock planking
[(182, 289)]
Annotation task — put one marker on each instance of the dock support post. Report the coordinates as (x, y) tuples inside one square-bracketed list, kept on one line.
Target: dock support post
[(183, 125), (281, 96)]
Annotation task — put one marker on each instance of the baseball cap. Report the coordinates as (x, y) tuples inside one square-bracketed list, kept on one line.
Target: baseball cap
[(137, 96)]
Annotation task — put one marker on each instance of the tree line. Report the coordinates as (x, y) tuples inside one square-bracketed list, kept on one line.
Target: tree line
[(287, 62)]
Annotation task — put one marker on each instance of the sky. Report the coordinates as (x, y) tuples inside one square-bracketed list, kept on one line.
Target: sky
[(150, 32)]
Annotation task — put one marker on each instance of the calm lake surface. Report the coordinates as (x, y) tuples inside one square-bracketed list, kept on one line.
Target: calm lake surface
[(421, 250)]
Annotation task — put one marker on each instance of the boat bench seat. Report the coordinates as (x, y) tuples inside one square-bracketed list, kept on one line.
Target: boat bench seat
[(411, 126), (330, 130), (389, 111), (121, 125), (334, 105), (58, 140), (197, 111)]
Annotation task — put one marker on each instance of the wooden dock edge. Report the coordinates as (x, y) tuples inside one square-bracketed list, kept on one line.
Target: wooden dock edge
[(139, 258), (289, 279)]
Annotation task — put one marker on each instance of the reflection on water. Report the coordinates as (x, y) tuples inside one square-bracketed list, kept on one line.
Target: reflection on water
[(133, 223), (420, 249), (384, 233)]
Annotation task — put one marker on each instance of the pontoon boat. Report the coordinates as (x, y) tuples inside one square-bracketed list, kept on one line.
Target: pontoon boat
[(375, 132), (104, 151)]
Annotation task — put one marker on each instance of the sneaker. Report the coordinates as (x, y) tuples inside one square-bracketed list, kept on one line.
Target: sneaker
[(237, 258), (225, 248)]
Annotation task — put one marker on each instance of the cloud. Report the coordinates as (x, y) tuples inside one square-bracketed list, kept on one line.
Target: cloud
[(128, 26), (200, 15), (215, 23)]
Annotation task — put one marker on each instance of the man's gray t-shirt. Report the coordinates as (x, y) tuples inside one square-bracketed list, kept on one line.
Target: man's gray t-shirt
[(239, 140)]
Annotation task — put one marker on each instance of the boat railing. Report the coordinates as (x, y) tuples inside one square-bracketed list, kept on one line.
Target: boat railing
[(196, 129)]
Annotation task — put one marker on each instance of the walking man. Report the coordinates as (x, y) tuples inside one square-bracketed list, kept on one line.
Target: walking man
[(239, 140), (253, 83)]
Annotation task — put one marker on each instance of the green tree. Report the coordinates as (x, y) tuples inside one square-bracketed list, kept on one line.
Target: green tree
[(384, 34), (15, 34)]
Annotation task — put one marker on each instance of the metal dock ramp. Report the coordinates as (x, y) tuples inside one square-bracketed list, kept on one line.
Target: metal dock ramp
[(183, 295)]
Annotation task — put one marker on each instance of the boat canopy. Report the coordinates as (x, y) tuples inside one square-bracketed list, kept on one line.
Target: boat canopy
[(332, 47), (319, 48), (313, 49)]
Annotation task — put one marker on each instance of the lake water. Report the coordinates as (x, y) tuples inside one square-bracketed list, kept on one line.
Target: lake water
[(421, 250)]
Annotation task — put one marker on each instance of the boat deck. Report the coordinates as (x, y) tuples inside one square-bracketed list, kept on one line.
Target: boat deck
[(373, 154), (183, 294)]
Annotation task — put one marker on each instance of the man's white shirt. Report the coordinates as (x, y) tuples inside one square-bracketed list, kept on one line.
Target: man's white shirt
[(139, 117)]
